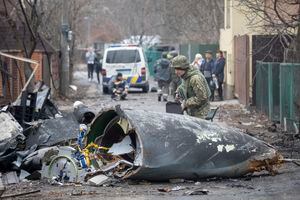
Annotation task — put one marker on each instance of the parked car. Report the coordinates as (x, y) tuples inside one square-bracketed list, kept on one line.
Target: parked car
[(128, 60)]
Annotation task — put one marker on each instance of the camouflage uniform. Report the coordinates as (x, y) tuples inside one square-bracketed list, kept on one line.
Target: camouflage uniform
[(175, 80), (194, 89)]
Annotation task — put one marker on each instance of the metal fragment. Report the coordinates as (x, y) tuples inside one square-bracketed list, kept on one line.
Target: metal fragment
[(168, 146)]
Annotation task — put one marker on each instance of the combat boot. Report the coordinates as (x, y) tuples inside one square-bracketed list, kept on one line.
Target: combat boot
[(159, 97)]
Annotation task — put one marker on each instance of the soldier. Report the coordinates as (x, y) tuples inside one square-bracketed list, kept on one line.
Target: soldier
[(194, 89), (175, 80), (163, 76)]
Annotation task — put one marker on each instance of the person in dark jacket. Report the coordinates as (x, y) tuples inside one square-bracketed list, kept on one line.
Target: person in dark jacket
[(207, 68), (98, 66), (119, 88), (163, 76), (219, 72)]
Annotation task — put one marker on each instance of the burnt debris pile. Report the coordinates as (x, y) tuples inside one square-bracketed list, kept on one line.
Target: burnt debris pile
[(119, 144)]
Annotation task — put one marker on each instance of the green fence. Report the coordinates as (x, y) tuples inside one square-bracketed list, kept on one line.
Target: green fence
[(152, 57), (278, 90), (290, 91), (267, 89), (190, 50)]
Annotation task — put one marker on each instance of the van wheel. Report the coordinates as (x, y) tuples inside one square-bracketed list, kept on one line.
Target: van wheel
[(146, 88)]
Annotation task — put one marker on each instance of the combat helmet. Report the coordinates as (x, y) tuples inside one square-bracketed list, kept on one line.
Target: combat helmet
[(180, 62)]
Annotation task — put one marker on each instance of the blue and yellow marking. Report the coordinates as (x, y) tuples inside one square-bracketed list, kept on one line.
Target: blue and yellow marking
[(134, 79)]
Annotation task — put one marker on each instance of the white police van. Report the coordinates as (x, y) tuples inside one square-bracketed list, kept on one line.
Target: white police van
[(129, 60)]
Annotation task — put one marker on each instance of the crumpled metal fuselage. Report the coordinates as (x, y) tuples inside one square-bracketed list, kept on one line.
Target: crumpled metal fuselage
[(176, 146)]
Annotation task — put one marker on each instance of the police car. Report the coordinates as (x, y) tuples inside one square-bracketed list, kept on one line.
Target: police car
[(128, 60)]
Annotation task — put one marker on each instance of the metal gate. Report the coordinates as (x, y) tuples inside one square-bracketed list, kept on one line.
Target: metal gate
[(241, 68)]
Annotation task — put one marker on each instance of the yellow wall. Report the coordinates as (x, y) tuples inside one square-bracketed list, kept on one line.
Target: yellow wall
[(238, 26)]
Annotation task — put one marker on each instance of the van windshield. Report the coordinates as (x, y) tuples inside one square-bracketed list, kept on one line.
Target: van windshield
[(123, 56)]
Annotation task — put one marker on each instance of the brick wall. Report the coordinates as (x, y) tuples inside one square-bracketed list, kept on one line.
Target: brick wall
[(39, 73), (15, 84)]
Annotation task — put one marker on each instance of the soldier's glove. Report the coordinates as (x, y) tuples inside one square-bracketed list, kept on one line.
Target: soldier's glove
[(177, 97), (183, 106)]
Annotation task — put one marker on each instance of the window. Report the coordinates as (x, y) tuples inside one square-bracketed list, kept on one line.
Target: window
[(123, 56), (228, 13)]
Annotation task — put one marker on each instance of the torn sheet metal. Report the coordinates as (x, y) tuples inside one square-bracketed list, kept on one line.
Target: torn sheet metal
[(168, 146), (10, 178), (2, 188), (124, 147), (34, 160), (42, 96), (54, 131), (11, 133)]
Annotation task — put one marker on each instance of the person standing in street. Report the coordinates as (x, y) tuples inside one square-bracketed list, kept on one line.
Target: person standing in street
[(175, 80), (90, 60), (219, 72), (162, 73), (198, 61), (194, 88), (207, 70), (98, 66)]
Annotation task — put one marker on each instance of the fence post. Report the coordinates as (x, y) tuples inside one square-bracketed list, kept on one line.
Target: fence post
[(281, 100), (270, 89), (258, 83), (291, 97)]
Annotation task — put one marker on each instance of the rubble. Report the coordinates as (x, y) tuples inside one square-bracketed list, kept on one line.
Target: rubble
[(55, 131), (98, 180), (130, 144), (10, 138), (82, 113), (33, 161), (10, 178), (196, 192), (62, 166), (11, 131), (177, 188), (31, 128), (2, 188), (23, 175)]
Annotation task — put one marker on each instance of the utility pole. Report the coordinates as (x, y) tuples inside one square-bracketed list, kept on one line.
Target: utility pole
[(190, 52), (88, 32), (64, 48)]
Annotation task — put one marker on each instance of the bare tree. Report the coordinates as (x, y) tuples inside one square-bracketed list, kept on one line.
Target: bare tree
[(281, 17), (41, 20), (24, 14), (174, 20)]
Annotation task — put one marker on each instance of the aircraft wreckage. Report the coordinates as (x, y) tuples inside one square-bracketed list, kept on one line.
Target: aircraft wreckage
[(156, 146)]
